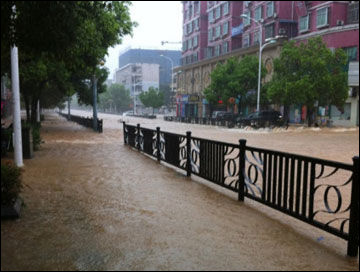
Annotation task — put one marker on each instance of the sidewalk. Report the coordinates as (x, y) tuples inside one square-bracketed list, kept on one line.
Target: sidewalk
[(94, 204)]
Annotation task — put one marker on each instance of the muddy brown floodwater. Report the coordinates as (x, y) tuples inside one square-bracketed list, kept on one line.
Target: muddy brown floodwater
[(94, 204)]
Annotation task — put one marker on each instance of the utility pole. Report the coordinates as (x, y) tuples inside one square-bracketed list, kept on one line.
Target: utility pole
[(18, 153)]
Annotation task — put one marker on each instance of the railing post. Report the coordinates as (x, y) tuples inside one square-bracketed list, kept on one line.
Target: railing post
[(242, 146), (188, 151), (353, 243), (138, 136), (124, 132), (158, 145)]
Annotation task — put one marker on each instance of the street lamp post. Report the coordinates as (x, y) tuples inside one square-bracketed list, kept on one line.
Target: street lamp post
[(172, 73), (261, 47)]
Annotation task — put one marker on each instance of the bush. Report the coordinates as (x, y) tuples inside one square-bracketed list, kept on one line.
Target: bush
[(36, 135), (11, 184)]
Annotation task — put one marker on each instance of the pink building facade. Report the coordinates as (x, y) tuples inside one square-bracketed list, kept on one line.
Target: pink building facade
[(222, 30)]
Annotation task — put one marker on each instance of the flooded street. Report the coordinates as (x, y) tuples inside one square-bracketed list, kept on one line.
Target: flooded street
[(94, 204)]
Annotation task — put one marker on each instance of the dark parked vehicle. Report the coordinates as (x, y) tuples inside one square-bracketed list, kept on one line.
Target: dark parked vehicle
[(224, 116), (262, 119)]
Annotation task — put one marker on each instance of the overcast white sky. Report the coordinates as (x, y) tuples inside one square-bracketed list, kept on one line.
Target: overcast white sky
[(157, 21)]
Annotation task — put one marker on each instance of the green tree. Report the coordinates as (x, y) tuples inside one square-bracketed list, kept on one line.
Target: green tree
[(60, 45), (116, 98), (309, 74), (152, 98), (234, 78)]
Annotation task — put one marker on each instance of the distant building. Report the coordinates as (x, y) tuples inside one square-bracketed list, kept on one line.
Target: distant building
[(153, 57), (138, 78)]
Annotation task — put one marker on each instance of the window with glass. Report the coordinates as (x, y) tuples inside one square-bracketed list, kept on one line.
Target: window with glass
[(190, 12), (225, 28), (196, 24), (225, 47), (353, 13), (184, 46), (226, 8), (217, 31), (246, 40), (269, 31), (270, 9), (210, 35), (256, 37), (211, 16), (218, 12), (351, 52), (217, 50), (247, 18), (195, 42), (189, 43), (304, 23), (322, 17), (197, 7), (258, 13)]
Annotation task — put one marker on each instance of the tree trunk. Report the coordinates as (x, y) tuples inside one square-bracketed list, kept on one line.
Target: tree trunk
[(309, 114), (33, 110), (27, 107)]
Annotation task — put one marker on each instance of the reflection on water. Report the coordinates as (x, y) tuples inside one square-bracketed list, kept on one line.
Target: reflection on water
[(94, 204)]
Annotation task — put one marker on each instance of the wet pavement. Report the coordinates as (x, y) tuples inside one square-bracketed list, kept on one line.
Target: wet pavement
[(94, 204)]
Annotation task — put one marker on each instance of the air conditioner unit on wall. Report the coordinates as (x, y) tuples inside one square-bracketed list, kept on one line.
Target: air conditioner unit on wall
[(339, 22), (282, 31), (275, 15)]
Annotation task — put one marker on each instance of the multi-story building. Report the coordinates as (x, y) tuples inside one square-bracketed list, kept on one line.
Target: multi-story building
[(228, 34), (138, 78), (153, 56), (337, 22)]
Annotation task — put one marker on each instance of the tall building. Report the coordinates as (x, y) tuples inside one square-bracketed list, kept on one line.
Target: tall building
[(153, 57), (138, 78), (231, 35)]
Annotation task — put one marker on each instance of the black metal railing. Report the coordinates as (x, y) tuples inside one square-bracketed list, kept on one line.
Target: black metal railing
[(322, 193), (84, 121)]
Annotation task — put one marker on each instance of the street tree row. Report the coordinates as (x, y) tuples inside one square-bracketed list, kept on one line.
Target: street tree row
[(61, 44), (304, 74)]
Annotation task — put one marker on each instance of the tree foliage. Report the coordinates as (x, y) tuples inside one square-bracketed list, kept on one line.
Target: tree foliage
[(116, 98), (309, 74), (60, 45), (233, 78), (152, 98)]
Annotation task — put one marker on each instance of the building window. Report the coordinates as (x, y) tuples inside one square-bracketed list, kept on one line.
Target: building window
[(304, 23), (195, 42), (217, 31), (211, 16), (197, 7), (209, 52), (269, 9), (226, 8), (218, 12), (217, 50), (256, 37), (190, 12), (269, 31), (351, 52), (225, 28), (210, 35), (258, 13), (353, 13), (225, 47), (196, 24), (190, 44), (184, 46), (247, 18), (246, 40), (322, 17)]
